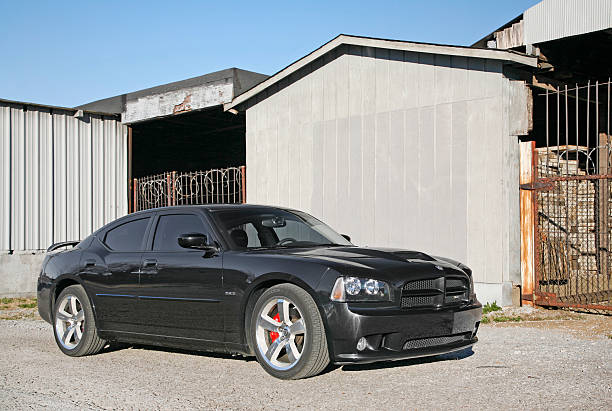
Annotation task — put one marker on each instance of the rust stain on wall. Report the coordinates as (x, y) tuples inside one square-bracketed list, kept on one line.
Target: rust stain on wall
[(184, 106), (527, 220)]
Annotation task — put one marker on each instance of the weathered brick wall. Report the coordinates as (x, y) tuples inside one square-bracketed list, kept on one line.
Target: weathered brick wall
[(570, 227)]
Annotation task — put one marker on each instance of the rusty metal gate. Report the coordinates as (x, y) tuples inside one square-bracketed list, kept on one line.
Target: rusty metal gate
[(572, 200), (218, 186)]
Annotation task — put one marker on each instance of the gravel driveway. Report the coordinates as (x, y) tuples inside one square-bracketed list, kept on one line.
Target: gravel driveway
[(511, 367)]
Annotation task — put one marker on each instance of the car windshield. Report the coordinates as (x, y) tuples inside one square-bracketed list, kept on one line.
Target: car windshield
[(253, 228)]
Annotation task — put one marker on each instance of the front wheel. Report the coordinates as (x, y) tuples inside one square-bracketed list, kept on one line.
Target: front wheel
[(74, 324), (288, 333)]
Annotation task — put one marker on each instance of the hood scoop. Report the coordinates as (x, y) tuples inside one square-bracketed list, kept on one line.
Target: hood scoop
[(413, 255)]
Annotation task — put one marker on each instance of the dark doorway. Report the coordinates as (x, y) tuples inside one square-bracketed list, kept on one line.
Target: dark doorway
[(201, 140)]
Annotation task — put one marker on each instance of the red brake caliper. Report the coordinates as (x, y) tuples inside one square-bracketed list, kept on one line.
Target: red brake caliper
[(274, 335)]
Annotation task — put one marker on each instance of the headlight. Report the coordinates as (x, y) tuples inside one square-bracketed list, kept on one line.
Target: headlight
[(360, 289), (471, 286)]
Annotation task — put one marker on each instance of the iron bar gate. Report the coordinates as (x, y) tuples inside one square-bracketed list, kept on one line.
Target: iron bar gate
[(217, 186), (572, 200)]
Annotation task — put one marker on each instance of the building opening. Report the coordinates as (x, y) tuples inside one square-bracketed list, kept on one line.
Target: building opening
[(202, 140), (194, 158), (183, 148)]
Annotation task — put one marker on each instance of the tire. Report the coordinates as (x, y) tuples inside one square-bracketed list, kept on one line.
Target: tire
[(287, 333), (74, 325)]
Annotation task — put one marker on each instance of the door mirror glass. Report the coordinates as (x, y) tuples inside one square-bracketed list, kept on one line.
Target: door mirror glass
[(194, 240), (346, 237)]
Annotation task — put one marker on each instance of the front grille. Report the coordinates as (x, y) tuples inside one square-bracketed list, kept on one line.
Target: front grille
[(457, 290), (418, 301), (454, 282), (433, 342), (434, 292), (419, 285)]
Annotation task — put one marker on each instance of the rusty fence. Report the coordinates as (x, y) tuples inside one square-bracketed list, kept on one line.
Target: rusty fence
[(573, 200), (218, 186)]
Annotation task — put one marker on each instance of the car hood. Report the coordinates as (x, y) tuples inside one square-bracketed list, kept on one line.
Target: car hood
[(382, 263)]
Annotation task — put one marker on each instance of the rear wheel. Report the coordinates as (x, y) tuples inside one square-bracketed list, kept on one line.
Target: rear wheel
[(288, 334), (74, 324)]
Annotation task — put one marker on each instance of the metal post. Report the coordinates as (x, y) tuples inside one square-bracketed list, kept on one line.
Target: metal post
[(135, 195), (129, 168), (603, 191), (173, 188), (168, 190), (243, 182)]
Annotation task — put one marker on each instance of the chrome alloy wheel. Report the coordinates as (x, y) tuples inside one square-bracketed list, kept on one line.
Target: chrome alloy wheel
[(280, 333), (69, 321)]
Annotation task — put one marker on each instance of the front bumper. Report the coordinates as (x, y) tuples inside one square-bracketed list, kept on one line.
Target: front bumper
[(395, 334)]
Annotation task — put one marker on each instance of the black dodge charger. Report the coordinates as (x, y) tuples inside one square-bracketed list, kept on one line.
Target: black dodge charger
[(246, 279)]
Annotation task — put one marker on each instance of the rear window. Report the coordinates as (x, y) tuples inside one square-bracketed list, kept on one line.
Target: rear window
[(128, 236)]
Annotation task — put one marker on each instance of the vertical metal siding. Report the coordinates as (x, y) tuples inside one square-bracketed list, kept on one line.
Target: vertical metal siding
[(62, 176), (5, 177), (395, 149), (554, 19)]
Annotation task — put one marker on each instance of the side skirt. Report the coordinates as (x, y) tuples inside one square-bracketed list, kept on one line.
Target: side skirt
[(194, 344)]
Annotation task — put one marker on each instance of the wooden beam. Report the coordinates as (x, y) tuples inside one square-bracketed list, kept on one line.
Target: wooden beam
[(131, 205), (528, 220)]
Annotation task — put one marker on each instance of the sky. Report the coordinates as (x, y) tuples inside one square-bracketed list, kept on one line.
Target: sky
[(67, 53)]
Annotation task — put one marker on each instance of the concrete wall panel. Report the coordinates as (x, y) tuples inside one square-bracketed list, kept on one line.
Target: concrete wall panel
[(395, 149), (176, 101)]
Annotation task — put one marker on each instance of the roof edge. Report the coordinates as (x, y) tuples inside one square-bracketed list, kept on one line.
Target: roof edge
[(511, 56), (46, 106)]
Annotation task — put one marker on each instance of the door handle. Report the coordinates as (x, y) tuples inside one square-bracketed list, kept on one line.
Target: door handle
[(149, 263), (90, 263)]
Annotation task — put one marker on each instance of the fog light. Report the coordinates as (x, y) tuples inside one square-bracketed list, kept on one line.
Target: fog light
[(361, 344)]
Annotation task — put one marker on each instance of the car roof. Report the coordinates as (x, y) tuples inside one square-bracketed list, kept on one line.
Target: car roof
[(210, 207)]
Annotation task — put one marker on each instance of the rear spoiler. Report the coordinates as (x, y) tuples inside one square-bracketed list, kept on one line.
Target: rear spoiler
[(62, 244)]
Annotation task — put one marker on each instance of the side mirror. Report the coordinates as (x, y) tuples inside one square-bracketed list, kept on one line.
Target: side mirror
[(194, 240), (347, 237), (199, 242)]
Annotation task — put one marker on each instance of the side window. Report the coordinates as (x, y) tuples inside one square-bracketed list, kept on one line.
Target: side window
[(170, 227), (252, 235), (300, 231), (128, 236)]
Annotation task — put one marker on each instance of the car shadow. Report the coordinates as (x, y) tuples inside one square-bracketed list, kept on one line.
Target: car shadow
[(457, 355), (121, 346)]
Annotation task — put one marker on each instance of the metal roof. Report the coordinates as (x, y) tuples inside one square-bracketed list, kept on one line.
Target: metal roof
[(556, 19), (242, 80), (46, 106), (510, 56)]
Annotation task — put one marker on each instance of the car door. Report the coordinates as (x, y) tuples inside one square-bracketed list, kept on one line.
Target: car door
[(180, 289), (110, 267)]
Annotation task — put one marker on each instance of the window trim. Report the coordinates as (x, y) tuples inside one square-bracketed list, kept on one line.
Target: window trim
[(127, 221)]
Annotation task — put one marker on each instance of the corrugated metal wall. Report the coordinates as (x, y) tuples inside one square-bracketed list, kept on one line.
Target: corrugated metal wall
[(555, 19), (62, 176), (398, 149)]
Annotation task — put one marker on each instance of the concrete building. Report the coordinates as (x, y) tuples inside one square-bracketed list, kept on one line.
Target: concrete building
[(182, 125), (395, 143), (398, 144), (68, 171)]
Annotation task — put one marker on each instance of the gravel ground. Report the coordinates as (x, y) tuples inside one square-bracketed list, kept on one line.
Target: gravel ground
[(514, 366)]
